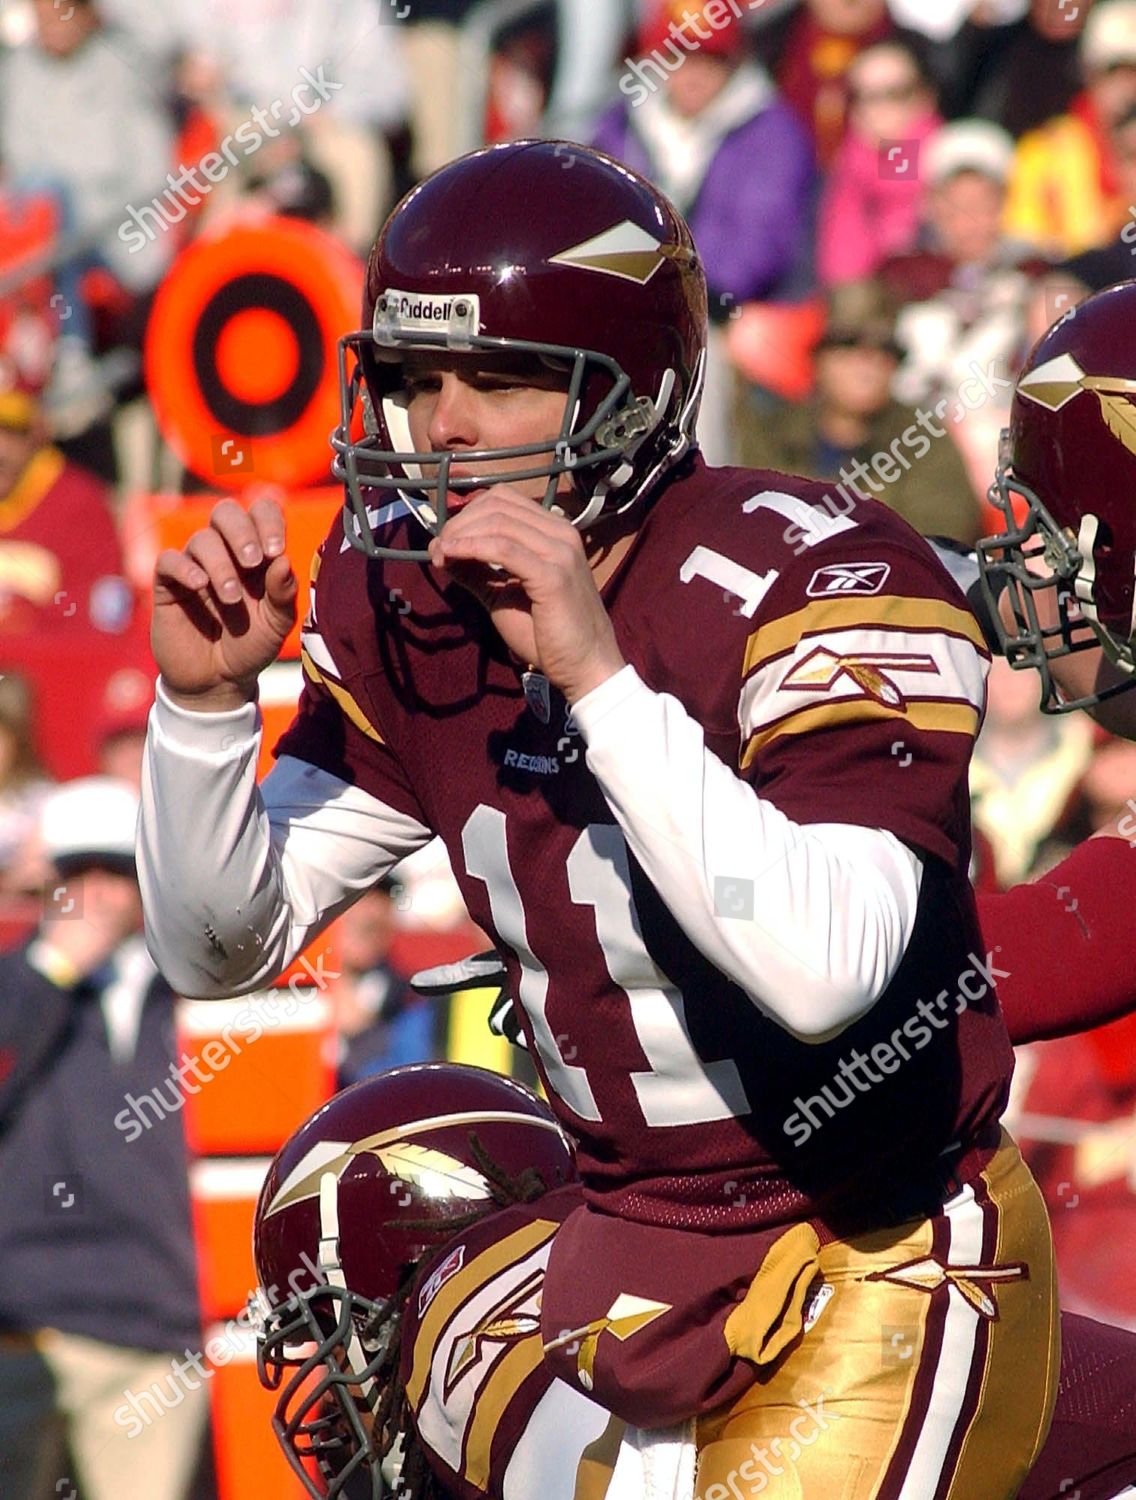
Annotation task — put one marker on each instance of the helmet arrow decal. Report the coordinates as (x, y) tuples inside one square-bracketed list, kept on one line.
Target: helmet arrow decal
[(625, 251), (1059, 381), (336, 1156)]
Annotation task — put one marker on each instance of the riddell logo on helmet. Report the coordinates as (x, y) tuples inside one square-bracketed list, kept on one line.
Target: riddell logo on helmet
[(420, 312)]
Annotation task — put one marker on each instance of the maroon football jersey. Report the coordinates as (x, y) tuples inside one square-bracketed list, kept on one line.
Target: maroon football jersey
[(833, 666), (1090, 1453), (61, 564)]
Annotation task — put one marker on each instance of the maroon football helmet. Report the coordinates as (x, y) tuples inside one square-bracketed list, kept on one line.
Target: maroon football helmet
[(379, 1177), (1070, 455), (541, 250)]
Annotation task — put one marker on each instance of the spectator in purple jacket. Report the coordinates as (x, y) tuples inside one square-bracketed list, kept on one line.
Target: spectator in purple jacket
[(706, 125)]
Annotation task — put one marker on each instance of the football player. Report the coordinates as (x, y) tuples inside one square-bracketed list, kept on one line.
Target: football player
[(463, 1176), (698, 750), (429, 1198)]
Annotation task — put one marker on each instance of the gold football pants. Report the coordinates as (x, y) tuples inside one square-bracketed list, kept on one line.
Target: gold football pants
[(930, 1372)]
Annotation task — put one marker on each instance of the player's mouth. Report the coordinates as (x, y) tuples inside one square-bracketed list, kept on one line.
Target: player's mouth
[(457, 500)]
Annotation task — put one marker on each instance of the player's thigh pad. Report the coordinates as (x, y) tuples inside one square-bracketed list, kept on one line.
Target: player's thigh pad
[(930, 1373)]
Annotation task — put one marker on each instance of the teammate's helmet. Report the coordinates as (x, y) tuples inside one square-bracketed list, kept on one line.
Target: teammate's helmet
[(544, 250), (384, 1173), (1068, 460)]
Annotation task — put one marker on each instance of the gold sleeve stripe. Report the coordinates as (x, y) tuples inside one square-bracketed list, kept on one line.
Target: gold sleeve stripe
[(342, 697), (948, 718), (314, 572), (888, 610), (459, 1288), (512, 1370)]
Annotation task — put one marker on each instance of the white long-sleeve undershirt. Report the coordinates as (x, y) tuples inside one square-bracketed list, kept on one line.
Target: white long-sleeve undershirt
[(811, 920), (236, 880)]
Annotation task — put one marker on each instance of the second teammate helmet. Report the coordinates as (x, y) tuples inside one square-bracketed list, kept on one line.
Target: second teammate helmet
[(1066, 485), (545, 251), (380, 1176)]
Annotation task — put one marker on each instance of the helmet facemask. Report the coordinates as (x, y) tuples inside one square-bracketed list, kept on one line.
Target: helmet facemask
[(342, 1349), (603, 442), (1062, 585), (325, 1352)]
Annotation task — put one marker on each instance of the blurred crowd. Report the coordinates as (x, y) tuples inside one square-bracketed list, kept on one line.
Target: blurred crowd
[(893, 200), (937, 185)]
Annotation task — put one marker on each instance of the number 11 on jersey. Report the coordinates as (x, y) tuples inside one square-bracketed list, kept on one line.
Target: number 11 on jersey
[(677, 1088)]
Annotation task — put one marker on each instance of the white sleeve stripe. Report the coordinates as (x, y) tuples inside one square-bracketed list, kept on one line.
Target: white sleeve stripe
[(883, 666), (316, 647), (819, 631)]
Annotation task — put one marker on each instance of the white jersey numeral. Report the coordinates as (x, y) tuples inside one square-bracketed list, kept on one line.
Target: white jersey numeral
[(678, 1088), (487, 858), (751, 588), (814, 524)]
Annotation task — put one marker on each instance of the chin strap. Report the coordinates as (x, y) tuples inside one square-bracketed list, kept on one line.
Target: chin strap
[(332, 1268), (630, 428)]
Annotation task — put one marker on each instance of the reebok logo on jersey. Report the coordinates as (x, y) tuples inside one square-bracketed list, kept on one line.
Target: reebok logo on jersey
[(848, 578), (438, 1278)]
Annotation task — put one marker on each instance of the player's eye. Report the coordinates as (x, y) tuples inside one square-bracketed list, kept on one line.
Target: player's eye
[(495, 384), (421, 385)]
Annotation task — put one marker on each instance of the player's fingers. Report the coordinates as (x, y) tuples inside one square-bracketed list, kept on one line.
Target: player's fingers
[(239, 532), (208, 549), (496, 512), (177, 570), (179, 580), (267, 517), (281, 586), (506, 500), (495, 546), (504, 508), (474, 578)]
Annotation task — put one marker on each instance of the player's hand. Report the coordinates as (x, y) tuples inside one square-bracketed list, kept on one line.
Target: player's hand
[(223, 606), (543, 600)]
